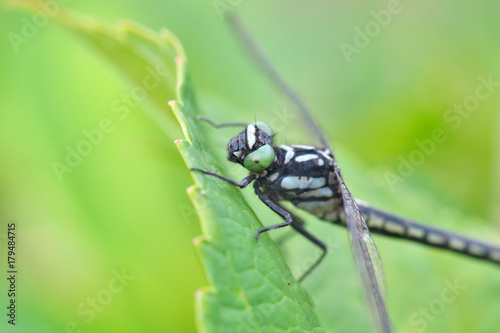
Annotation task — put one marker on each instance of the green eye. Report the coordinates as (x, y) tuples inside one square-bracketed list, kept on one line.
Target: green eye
[(260, 159), (264, 127)]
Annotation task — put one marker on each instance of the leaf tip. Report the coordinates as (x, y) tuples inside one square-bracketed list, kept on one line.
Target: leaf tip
[(198, 293), (175, 105), (181, 144), (198, 240), (191, 190), (180, 60)]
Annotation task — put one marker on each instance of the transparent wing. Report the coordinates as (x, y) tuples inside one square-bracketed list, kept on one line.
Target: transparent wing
[(364, 250), (268, 68), (366, 257)]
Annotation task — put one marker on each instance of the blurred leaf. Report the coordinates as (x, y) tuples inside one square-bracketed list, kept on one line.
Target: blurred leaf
[(144, 57)]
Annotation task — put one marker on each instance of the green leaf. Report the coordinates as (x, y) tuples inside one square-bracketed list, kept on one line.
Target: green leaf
[(250, 286)]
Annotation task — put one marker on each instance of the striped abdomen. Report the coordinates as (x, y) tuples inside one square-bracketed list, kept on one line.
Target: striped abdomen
[(387, 224), (380, 222)]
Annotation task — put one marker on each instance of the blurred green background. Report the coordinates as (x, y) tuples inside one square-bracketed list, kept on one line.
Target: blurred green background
[(124, 207)]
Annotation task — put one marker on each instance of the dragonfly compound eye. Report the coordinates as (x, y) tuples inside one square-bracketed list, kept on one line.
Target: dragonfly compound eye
[(254, 133), (260, 159), (264, 127)]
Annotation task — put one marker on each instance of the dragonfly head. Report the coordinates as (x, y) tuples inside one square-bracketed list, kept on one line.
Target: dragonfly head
[(253, 147)]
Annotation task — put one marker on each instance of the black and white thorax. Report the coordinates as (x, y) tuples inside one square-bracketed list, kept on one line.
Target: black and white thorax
[(304, 176)]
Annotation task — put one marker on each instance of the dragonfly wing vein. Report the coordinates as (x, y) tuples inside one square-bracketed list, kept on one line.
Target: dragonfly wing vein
[(366, 257)]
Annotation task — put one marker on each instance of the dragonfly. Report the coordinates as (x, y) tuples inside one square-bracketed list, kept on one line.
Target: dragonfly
[(310, 179)]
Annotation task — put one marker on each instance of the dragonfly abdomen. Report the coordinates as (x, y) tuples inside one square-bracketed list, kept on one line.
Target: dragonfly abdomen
[(383, 223)]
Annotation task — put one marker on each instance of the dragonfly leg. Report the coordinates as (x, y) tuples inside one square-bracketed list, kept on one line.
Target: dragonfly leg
[(230, 124), (244, 182), (286, 237), (300, 228), (277, 209), (298, 225)]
